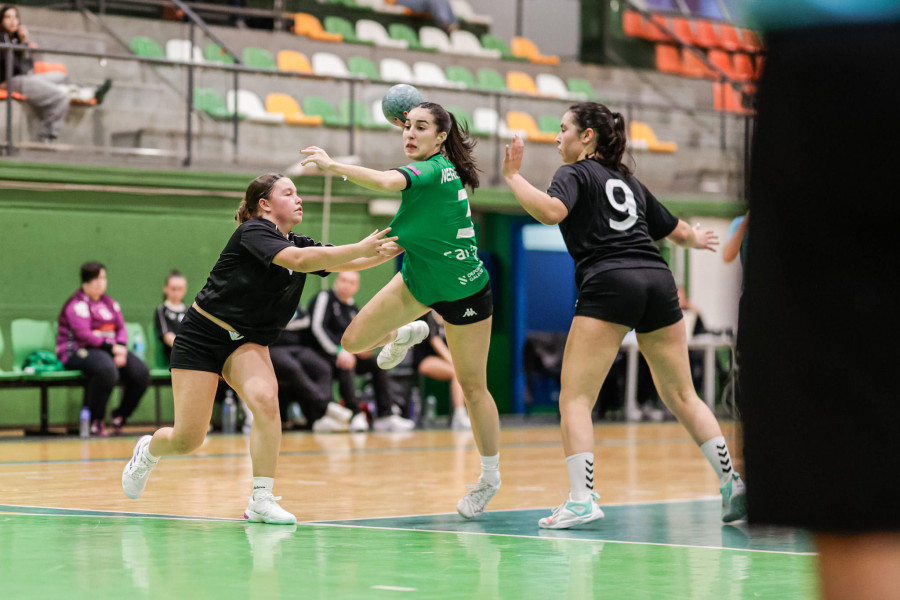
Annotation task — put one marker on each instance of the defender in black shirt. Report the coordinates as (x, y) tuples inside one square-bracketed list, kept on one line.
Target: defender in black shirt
[(609, 221), (250, 296)]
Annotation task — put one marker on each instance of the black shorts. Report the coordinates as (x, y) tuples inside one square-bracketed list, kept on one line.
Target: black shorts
[(201, 345), (472, 309), (643, 299)]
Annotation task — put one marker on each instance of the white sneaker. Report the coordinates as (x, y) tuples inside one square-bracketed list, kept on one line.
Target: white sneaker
[(328, 424), (359, 422), (393, 423), (263, 508), (734, 499), (460, 419), (338, 412), (392, 354), (571, 513), (473, 503), (137, 471)]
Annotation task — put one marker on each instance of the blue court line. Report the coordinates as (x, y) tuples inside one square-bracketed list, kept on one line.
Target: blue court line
[(351, 451)]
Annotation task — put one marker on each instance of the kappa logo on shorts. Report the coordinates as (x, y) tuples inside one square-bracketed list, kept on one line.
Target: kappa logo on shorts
[(469, 313), (235, 336)]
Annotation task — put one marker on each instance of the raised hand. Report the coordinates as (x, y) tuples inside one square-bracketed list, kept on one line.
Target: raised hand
[(317, 156), (512, 161), (705, 239)]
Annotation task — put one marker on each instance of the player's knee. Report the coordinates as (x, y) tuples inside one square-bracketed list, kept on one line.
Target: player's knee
[(350, 342), (187, 442), (265, 405)]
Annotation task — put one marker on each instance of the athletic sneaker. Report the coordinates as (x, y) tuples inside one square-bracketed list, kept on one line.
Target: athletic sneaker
[(392, 354), (98, 429), (571, 513), (117, 424), (137, 471), (734, 499), (263, 508), (473, 503), (460, 420), (359, 422), (338, 412), (328, 424), (393, 423)]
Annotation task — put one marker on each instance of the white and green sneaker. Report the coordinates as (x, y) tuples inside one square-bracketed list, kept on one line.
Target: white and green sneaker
[(393, 353), (137, 471), (734, 499), (571, 513), (474, 502)]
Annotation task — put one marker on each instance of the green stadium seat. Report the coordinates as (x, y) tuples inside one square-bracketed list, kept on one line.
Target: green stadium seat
[(579, 85), (549, 123), (336, 24), (490, 79), (402, 31), (461, 75), (316, 105), (258, 58), (7, 376), (215, 54), (146, 47), (362, 115), (492, 42), (357, 65), (212, 103), (30, 335), (464, 118)]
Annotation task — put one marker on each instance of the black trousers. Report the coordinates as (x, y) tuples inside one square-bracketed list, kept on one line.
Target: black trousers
[(347, 384), (304, 377), (103, 375)]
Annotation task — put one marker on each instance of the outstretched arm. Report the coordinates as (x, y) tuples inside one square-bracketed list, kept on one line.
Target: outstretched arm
[(390, 251), (540, 205), (319, 258), (732, 247), (699, 239), (380, 181)]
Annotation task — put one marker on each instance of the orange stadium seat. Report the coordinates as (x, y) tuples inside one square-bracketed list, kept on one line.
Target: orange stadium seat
[(705, 35), (524, 47), (752, 42), (693, 65), (729, 38), (520, 122), (743, 67), (668, 59), (49, 67), (293, 114), (631, 24), (291, 60), (722, 59), (654, 33), (311, 27), (518, 81), (726, 98), (643, 138)]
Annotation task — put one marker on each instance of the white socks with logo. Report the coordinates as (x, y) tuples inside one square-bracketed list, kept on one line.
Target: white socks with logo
[(716, 452), (581, 475)]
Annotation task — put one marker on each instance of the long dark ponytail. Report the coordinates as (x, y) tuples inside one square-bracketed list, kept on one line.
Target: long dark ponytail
[(609, 131), (459, 144)]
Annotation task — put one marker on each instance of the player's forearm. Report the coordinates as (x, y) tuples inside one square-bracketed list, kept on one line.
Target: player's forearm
[(536, 203), (380, 181), (360, 264), (319, 258)]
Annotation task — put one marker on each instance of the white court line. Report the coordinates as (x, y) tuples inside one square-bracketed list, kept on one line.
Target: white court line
[(394, 588)]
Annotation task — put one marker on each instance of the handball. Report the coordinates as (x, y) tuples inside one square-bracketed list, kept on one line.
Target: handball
[(399, 99)]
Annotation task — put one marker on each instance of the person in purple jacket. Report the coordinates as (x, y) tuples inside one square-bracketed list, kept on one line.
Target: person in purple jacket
[(91, 338)]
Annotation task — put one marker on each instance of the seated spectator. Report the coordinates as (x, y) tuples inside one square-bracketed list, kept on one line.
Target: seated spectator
[(331, 312), (92, 339), (49, 94), (304, 381), (170, 313), (440, 11), (432, 359)]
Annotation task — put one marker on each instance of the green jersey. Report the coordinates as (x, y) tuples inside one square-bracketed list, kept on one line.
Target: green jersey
[(434, 226)]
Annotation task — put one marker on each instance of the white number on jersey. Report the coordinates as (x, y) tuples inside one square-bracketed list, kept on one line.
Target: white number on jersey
[(629, 207), (466, 232)]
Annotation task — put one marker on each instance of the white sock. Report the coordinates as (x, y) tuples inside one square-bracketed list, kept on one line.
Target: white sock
[(581, 475), (403, 334), (716, 452), (149, 456), (263, 484), (490, 469)]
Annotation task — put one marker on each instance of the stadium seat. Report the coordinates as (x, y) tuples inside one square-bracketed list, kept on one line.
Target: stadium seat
[(382, 6), (401, 31), (216, 54), (642, 137), (394, 69), (357, 65), (250, 104), (177, 49), (432, 37), (291, 60), (329, 65), (486, 119), (30, 335), (668, 59), (41, 66), (428, 73), (146, 47), (311, 27), (518, 81), (258, 58), (549, 124), (341, 26), (722, 60), (581, 88), (293, 114), (372, 31), (378, 115), (465, 42), (521, 46), (729, 38), (316, 105), (465, 119), (364, 114), (705, 35), (631, 24), (523, 124), (681, 27), (656, 29), (752, 42), (693, 66), (726, 98), (464, 10), (743, 67), (489, 79), (211, 102), (461, 75), (492, 42), (549, 84)]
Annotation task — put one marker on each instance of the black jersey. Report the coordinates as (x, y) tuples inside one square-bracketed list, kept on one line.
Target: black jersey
[(246, 290), (329, 318), (613, 219), (168, 319)]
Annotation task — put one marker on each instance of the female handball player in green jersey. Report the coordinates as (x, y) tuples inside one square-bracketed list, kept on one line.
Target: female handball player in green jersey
[(441, 271)]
